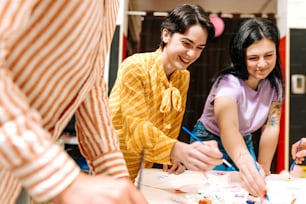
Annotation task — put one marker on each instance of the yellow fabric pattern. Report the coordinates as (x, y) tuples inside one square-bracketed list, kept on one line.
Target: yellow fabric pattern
[(147, 109), (171, 98)]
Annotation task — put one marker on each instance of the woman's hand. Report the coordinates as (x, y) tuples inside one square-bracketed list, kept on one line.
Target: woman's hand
[(251, 178), (197, 156), (299, 155), (175, 168)]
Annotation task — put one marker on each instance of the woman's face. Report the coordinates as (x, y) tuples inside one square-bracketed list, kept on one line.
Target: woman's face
[(260, 59), (182, 50)]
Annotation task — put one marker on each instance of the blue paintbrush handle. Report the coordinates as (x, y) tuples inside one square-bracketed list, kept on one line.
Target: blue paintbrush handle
[(191, 134), (294, 161), (199, 140)]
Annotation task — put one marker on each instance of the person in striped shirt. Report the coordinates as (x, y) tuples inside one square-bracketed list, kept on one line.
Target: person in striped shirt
[(52, 57), (148, 99)]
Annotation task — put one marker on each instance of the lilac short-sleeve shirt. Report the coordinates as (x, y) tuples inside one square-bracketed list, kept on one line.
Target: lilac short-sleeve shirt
[(253, 106)]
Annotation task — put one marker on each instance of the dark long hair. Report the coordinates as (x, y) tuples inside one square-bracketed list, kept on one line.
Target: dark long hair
[(184, 16), (251, 31)]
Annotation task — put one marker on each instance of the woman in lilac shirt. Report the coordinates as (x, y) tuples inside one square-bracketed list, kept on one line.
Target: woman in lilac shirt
[(245, 97)]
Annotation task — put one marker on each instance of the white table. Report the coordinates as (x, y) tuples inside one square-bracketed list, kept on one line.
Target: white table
[(161, 188)]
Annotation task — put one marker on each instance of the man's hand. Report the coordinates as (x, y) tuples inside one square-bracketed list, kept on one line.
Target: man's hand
[(100, 189)]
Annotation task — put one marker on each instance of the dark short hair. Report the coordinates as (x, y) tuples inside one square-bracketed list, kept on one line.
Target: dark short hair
[(184, 16)]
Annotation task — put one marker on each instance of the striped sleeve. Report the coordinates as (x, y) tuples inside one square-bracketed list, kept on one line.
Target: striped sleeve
[(26, 150), (30, 112), (97, 138)]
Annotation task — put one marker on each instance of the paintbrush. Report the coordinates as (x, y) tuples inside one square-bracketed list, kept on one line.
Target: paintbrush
[(257, 167), (199, 140), (140, 168)]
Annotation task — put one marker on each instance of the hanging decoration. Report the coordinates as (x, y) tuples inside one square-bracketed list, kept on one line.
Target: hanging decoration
[(218, 24)]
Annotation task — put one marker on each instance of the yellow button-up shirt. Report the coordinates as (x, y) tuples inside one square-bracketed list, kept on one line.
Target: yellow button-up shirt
[(147, 109)]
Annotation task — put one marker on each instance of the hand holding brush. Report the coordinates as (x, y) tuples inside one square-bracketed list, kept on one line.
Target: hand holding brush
[(295, 149)]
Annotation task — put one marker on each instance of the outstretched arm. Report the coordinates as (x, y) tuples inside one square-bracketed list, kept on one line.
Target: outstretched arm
[(227, 118), (269, 137)]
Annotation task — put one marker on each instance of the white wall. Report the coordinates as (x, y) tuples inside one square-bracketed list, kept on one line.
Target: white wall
[(296, 13), (282, 17)]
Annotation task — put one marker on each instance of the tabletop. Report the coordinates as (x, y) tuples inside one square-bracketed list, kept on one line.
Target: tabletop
[(220, 187)]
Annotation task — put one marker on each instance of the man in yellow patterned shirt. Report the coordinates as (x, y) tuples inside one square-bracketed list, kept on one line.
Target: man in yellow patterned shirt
[(148, 99)]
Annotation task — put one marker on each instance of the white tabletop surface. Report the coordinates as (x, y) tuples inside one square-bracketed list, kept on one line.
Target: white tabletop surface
[(162, 188)]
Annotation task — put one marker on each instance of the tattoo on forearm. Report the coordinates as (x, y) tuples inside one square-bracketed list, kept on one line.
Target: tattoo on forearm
[(272, 121), (274, 114)]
